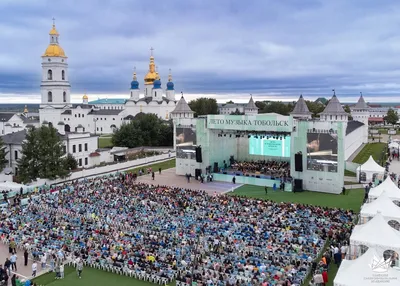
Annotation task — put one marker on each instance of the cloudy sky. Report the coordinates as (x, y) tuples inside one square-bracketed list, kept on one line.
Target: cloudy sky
[(227, 49)]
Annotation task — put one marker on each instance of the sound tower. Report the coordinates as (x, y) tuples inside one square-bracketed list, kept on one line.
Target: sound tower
[(298, 185), (199, 158), (298, 162)]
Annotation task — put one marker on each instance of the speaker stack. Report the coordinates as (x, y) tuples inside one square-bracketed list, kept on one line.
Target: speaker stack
[(298, 162), (199, 157), (298, 185)]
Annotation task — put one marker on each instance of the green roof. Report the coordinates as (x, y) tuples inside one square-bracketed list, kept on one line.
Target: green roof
[(322, 100), (108, 101)]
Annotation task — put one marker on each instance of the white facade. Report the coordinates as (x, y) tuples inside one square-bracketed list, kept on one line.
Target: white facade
[(230, 108), (14, 122)]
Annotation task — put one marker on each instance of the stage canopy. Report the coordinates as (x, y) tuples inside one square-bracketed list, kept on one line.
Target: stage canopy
[(383, 204), (361, 271), (370, 167), (387, 186), (376, 233)]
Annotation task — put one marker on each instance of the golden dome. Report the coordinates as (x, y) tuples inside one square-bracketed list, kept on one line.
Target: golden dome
[(85, 97), (26, 109), (151, 76), (53, 31), (54, 50)]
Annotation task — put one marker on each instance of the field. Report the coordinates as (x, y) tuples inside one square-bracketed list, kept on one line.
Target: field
[(105, 142), (374, 149)]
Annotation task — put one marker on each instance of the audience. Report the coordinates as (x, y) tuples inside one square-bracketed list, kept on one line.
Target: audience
[(174, 233)]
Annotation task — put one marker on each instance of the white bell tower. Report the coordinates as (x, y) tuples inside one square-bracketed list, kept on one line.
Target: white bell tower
[(55, 87)]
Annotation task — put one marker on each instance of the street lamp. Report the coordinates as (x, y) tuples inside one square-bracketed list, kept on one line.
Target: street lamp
[(95, 120)]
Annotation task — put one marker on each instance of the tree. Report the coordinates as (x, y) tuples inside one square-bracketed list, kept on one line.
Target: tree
[(283, 108), (144, 130), (315, 107), (391, 117), (348, 111), (70, 162), (204, 106), (42, 155), (237, 112), (230, 102), (3, 154)]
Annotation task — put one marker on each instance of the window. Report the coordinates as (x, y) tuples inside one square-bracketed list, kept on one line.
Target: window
[(83, 115), (49, 96), (63, 75), (86, 161), (73, 148), (64, 96), (75, 115), (80, 162), (49, 74), (16, 171), (80, 147), (113, 118), (155, 94), (79, 115), (16, 154), (86, 147), (101, 128)]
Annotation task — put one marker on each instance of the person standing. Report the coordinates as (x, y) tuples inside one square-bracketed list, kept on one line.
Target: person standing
[(153, 175), (343, 191), (79, 268), (13, 260), (34, 268), (61, 271), (266, 190), (159, 171), (26, 257), (14, 279), (234, 180), (7, 266)]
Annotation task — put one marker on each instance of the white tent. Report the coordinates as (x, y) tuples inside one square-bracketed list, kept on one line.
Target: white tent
[(382, 204), (394, 145), (369, 168), (366, 271), (376, 233), (390, 188), (6, 186)]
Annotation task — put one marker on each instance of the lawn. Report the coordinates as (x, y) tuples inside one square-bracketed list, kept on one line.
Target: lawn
[(349, 173), (374, 149), (90, 276), (352, 200), (163, 165), (105, 142)]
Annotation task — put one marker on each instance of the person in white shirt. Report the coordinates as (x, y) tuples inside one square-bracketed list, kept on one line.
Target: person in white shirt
[(34, 268), (343, 250), (61, 271), (43, 261)]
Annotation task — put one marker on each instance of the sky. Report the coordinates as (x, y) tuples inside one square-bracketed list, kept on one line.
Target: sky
[(226, 49)]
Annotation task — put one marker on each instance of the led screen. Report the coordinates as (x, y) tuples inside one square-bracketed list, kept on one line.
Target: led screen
[(278, 146)]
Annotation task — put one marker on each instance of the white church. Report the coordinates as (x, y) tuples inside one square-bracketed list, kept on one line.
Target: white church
[(104, 115)]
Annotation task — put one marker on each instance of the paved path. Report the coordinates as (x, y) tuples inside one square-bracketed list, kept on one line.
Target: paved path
[(169, 178)]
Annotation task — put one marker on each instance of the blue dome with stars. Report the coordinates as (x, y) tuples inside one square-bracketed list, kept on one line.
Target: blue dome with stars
[(134, 84), (157, 83), (170, 85)]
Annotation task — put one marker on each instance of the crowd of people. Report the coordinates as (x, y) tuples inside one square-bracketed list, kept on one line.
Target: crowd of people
[(275, 169), (173, 233)]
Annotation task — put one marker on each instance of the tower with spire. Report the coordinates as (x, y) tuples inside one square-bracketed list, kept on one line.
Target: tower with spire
[(334, 111), (135, 87), (360, 113), (85, 99), (55, 87), (170, 92), (301, 110), (182, 110), (251, 108), (150, 77)]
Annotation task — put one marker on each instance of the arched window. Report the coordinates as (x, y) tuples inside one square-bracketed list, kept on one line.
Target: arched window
[(63, 75), (155, 94), (49, 96), (50, 75), (67, 128), (16, 154), (64, 96)]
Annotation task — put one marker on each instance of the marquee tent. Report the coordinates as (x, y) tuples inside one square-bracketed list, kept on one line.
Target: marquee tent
[(390, 188), (394, 145), (383, 204), (369, 168), (366, 271), (7, 186), (376, 233)]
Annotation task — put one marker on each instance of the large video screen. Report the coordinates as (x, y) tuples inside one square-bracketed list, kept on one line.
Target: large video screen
[(185, 136), (322, 152), (269, 146)]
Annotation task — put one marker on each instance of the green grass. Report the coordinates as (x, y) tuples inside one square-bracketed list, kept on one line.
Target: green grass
[(105, 142), (374, 149), (349, 173), (90, 276), (163, 165), (352, 200)]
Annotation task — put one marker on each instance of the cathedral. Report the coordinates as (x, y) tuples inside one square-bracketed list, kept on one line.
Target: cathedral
[(101, 116)]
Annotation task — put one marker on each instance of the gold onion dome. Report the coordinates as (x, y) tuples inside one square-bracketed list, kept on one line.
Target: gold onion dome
[(85, 97), (54, 49), (151, 76), (53, 31)]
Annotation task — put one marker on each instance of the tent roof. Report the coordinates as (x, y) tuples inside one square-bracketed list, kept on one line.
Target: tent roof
[(387, 186), (384, 204), (371, 166), (366, 234), (359, 272)]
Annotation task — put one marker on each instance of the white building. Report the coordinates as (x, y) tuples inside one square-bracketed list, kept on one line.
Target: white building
[(13, 122), (101, 116), (238, 108)]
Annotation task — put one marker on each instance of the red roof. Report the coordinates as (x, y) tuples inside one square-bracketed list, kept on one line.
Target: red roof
[(94, 154), (376, 119)]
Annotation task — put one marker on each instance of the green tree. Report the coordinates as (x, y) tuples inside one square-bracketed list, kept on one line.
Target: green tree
[(70, 162), (42, 155), (391, 117), (315, 108), (348, 111), (237, 112), (229, 102), (3, 155), (28, 165), (204, 106), (283, 108), (144, 130)]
